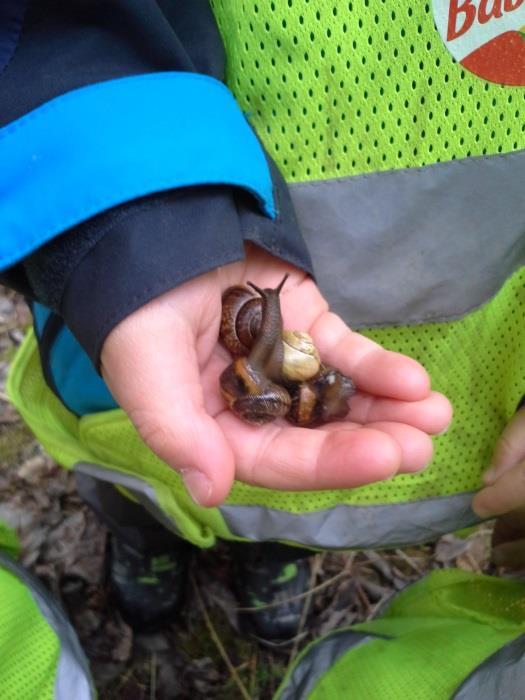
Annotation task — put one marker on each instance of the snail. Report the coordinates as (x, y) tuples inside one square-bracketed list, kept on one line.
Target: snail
[(241, 320), (249, 384), (275, 373), (321, 399)]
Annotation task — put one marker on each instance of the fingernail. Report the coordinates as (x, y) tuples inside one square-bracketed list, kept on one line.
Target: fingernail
[(198, 485)]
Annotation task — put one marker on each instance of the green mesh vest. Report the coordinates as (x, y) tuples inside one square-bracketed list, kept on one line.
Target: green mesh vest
[(407, 174), (451, 636), (40, 657), (344, 88)]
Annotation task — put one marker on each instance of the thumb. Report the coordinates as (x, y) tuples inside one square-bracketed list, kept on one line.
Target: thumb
[(510, 448), (503, 496), (150, 365)]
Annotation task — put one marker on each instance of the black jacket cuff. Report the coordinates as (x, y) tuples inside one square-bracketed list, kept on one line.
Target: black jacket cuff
[(97, 275)]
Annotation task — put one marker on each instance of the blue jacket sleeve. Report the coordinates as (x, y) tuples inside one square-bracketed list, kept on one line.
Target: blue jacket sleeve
[(129, 168)]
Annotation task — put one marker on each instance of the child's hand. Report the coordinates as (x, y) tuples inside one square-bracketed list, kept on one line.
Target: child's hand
[(163, 362), (504, 494)]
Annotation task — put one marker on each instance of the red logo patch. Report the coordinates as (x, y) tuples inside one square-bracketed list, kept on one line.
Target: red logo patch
[(486, 36)]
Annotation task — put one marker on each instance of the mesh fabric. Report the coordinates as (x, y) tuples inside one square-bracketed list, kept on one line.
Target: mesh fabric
[(29, 649), (438, 631), (343, 88), (427, 663)]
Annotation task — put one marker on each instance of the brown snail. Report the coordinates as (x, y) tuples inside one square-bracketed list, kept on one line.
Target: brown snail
[(241, 319), (275, 373), (321, 399), (250, 384)]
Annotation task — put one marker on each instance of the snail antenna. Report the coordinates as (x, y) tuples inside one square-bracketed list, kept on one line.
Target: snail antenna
[(262, 291), (281, 285), (257, 289)]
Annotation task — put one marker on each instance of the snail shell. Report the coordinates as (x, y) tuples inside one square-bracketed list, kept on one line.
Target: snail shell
[(301, 358), (241, 319), (252, 396), (321, 399)]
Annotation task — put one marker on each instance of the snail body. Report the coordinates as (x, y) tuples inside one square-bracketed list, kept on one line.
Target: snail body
[(250, 384), (267, 352), (275, 373)]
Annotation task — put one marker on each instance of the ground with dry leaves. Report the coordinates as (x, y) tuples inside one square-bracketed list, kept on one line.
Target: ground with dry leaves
[(203, 655)]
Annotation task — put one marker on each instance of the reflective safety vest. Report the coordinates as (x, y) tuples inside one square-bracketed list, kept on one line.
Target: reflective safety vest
[(452, 636), (406, 167), (40, 657)]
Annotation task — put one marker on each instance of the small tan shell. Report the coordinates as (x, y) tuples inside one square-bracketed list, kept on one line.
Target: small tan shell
[(301, 357)]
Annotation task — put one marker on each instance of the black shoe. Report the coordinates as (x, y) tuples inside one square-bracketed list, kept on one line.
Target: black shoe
[(273, 584), (148, 589)]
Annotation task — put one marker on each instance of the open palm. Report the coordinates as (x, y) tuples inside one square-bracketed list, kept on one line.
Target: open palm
[(162, 364)]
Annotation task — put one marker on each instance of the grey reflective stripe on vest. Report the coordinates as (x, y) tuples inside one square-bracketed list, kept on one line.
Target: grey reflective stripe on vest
[(340, 527), (317, 661), (347, 526), (73, 680), (142, 491), (417, 245), (500, 677)]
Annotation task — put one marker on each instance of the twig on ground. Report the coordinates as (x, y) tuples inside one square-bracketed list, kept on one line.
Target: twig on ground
[(473, 563), (153, 677), (410, 561), (380, 565), (217, 641), (253, 674), (316, 567), (362, 595), (375, 608)]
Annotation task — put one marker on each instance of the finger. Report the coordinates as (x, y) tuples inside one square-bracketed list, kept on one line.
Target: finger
[(416, 446), (510, 555), (161, 392), (299, 459), (510, 448), (508, 540), (509, 527), (504, 495), (374, 369), (432, 415)]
